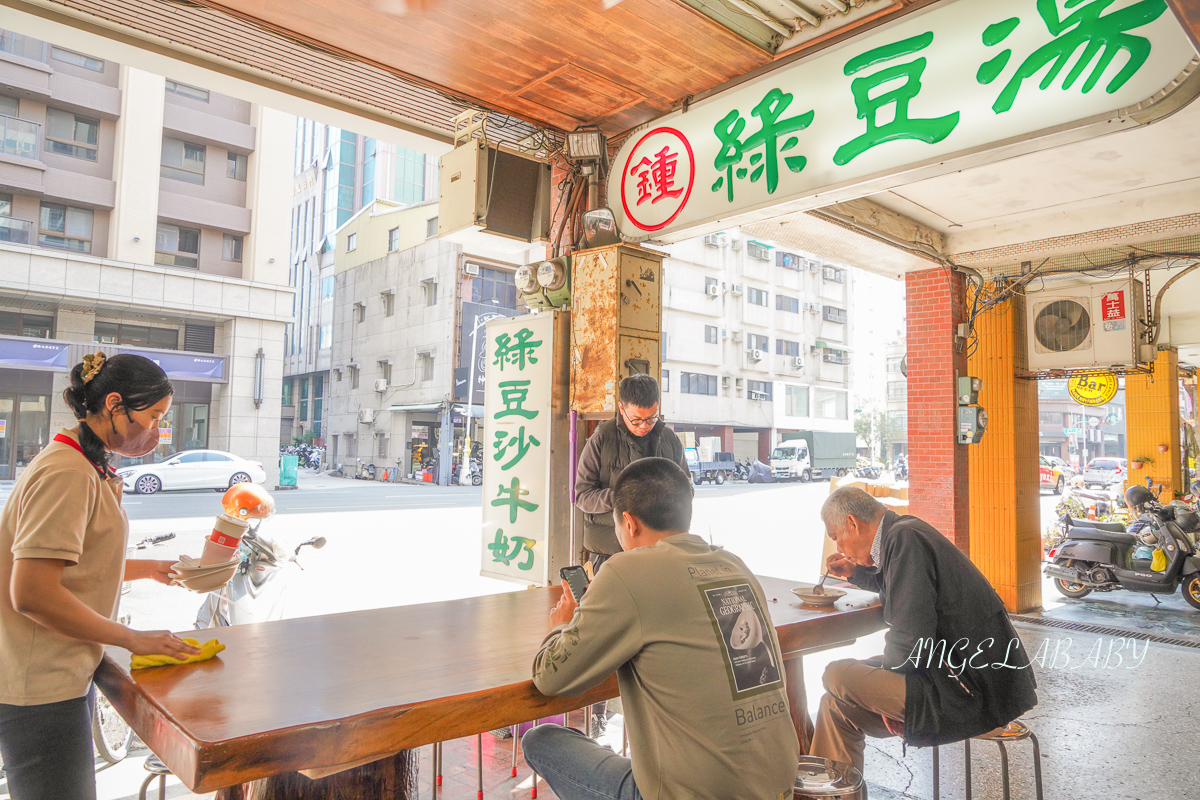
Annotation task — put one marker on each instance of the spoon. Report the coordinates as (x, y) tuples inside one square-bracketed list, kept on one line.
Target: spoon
[(817, 589)]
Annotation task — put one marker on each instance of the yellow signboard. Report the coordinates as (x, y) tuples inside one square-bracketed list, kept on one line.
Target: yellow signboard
[(1092, 390)]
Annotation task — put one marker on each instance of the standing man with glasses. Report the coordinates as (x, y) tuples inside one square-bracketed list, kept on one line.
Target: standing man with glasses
[(636, 432)]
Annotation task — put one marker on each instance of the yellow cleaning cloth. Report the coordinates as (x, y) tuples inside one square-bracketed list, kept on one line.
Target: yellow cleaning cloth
[(207, 651)]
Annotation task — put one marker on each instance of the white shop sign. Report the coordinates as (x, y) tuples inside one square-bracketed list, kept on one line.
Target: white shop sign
[(516, 450), (901, 103)]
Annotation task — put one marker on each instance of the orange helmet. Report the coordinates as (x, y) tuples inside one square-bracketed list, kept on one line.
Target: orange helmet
[(248, 500)]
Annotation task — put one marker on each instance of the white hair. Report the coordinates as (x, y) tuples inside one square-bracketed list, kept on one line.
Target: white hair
[(850, 501)]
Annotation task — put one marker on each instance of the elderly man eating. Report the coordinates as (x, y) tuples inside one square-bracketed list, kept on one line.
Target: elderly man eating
[(952, 668)]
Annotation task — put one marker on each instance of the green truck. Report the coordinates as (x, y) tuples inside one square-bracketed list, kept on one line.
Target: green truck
[(809, 455)]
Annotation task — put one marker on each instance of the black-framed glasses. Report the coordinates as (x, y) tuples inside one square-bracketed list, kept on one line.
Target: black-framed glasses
[(636, 423)]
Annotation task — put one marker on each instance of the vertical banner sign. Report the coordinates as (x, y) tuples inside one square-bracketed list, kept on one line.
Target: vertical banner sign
[(517, 490)]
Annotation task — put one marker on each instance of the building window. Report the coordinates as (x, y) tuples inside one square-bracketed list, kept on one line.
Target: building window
[(383, 446), (828, 404), (135, 335), (894, 363), (785, 348), (287, 392), (182, 89), (756, 297), (353, 377), (393, 240), (832, 274), (795, 399), (666, 380), (389, 304), (410, 176), (759, 390), (755, 341), (788, 304), (430, 292), (72, 135), (16, 44), (898, 420), (385, 371), (302, 413), (176, 246), (5, 205), (360, 311), (710, 284), (897, 390), (34, 326), (832, 314), (710, 334), (231, 248), (235, 166), (65, 228), (694, 383), (326, 339), (78, 59), (182, 161), (351, 242), (427, 366), (327, 288), (835, 356), (368, 187), (495, 286), (431, 227), (759, 252), (788, 261)]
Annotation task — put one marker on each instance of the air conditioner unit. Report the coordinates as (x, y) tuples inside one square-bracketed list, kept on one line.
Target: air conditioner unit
[(381, 385), (735, 244), (755, 355), (736, 288), (757, 395), (712, 291), (798, 362), (366, 416), (829, 273), (712, 240), (737, 336), (1085, 325), (471, 269), (813, 266)]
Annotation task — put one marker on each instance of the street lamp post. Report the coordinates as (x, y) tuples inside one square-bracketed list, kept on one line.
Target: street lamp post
[(464, 475)]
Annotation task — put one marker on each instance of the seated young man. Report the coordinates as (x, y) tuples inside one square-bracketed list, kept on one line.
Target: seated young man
[(686, 628)]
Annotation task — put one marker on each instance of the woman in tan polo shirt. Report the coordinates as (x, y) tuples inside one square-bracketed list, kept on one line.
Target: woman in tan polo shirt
[(62, 560)]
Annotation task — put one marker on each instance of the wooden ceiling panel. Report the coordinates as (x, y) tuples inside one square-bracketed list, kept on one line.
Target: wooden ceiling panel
[(579, 94)]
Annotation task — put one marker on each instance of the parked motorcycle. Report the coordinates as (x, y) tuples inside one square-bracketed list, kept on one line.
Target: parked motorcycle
[(866, 469), (1157, 554), (741, 470), (366, 472)]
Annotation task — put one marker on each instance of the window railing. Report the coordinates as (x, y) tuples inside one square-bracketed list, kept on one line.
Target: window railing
[(15, 231), (16, 44), (19, 137)]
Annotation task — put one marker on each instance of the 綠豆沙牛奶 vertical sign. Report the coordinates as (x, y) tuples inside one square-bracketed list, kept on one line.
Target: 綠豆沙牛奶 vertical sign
[(957, 85), (526, 509)]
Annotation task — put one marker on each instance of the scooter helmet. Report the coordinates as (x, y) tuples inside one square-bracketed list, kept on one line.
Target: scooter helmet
[(1138, 496), (248, 501), (1188, 521)]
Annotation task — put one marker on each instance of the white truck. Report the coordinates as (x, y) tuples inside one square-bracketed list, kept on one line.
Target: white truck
[(813, 454)]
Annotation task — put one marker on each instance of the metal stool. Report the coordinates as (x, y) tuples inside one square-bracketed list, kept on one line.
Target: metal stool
[(157, 769), (820, 777), (516, 744), (1014, 731)]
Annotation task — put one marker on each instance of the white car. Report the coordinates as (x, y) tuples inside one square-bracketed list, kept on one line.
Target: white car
[(193, 469)]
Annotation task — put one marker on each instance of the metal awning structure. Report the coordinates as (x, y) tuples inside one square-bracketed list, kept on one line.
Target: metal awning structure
[(476, 411)]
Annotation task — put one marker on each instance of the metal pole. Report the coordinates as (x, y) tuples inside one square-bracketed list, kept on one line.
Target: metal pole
[(446, 445), (464, 472)]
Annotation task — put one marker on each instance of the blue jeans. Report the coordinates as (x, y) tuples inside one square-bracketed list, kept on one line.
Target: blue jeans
[(47, 749), (576, 767)]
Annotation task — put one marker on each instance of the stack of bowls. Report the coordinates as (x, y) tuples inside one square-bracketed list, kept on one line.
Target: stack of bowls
[(203, 578)]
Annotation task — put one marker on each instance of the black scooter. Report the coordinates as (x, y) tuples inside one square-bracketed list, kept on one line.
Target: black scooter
[(1103, 556)]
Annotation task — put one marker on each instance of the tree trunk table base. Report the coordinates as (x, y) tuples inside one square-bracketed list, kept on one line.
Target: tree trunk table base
[(392, 778)]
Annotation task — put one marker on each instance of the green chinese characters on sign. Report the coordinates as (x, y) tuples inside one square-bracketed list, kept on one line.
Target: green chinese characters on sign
[(871, 103), (515, 350), (514, 394), (771, 129), (513, 501), (505, 550), (1100, 37), (517, 442)]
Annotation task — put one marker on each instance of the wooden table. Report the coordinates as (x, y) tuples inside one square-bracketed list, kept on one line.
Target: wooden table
[(321, 692)]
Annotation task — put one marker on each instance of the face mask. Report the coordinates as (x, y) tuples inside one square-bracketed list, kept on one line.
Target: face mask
[(136, 441)]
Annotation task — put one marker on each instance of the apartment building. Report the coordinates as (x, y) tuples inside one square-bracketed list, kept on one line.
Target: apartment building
[(897, 398), (409, 310), (756, 344), (336, 173), (139, 214)]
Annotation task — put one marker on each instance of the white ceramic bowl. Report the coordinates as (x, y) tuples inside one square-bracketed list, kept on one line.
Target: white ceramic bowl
[(828, 598)]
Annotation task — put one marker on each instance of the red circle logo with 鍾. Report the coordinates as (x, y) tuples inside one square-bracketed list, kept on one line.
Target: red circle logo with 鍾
[(656, 179)]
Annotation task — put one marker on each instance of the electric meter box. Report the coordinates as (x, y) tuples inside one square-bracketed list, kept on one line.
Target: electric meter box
[(616, 322)]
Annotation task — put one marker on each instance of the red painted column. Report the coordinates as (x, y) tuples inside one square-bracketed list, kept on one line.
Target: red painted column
[(938, 494), (727, 438)]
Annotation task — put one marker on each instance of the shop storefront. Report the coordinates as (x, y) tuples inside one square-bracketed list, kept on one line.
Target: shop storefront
[(27, 367)]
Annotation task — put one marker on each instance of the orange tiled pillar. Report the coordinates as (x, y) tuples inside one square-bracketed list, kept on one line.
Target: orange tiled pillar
[(1152, 419), (1003, 480)]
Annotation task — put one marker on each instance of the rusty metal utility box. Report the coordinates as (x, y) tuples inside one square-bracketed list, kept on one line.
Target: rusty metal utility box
[(616, 322)]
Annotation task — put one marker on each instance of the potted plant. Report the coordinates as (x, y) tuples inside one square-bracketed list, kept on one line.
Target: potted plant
[(1162, 448), (1138, 461)]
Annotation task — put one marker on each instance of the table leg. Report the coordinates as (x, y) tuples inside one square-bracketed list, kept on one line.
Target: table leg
[(798, 700), (392, 778)]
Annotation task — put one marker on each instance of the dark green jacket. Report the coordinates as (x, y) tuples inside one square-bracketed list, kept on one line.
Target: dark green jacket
[(941, 612), (610, 449)]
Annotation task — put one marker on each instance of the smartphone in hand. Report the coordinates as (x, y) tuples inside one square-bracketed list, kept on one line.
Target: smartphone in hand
[(576, 579)]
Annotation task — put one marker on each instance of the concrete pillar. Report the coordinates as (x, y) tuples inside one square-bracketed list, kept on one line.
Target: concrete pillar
[(269, 196), (765, 445), (71, 326), (1004, 485), (937, 466), (136, 163), (726, 432), (237, 425), (1152, 419)]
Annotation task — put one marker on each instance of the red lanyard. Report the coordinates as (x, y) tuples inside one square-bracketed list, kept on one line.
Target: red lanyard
[(105, 474)]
